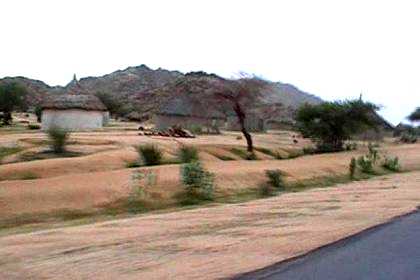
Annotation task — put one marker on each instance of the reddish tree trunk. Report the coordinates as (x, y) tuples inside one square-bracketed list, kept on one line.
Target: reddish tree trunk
[(241, 118)]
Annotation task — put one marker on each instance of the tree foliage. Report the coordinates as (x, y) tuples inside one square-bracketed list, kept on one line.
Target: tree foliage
[(415, 116), (114, 106), (331, 123), (12, 97)]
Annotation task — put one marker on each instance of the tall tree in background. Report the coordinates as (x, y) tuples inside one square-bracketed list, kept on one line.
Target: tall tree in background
[(415, 116), (242, 95), (329, 124), (12, 97), (114, 106)]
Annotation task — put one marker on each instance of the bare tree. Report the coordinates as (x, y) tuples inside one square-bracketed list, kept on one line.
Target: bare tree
[(242, 94)]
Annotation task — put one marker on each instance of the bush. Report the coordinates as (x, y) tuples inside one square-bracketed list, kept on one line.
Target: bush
[(373, 152), (196, 129), (366, 164), (352, 168), (408, 138), (58, 139), (150, 154), (350, 146), (187, 154), (198, 182), (392, 164), (275, 179), (34, 126)]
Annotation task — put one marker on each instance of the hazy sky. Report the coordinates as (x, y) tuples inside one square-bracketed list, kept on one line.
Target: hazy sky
[(334, 49)]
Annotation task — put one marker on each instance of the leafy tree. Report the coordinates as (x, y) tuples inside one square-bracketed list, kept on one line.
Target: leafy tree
[(331, 123), (114, 106), (12, 96), (415, 116)]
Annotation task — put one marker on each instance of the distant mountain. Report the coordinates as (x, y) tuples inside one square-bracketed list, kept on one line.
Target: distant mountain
[(142, 89)]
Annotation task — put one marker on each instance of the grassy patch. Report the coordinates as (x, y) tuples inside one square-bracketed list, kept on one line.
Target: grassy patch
[(28, 176), (7, 151), (267, 152), (31, 156), (243, 153)]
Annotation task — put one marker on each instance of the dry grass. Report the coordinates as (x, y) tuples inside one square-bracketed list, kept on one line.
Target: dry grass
[(174, 245)]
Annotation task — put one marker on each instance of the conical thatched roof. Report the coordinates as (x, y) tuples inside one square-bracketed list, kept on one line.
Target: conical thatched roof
[(74, 101)]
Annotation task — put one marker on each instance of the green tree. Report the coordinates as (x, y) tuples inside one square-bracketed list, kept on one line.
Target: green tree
[(114, 106), (12, 97), (415, 116), (331, 123)]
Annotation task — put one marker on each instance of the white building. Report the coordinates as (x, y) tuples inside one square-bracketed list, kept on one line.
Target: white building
[(74, 112)]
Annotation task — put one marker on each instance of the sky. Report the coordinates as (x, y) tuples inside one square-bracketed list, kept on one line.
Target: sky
[(334, 49)]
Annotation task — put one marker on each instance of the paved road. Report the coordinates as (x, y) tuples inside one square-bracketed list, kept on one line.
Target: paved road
[(391, 251)]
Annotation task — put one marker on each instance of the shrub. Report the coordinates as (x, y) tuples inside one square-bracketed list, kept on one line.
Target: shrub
[(392, 164), (198, 182), (350, 146), (352, 168), (373, 153), (34, 126), (408, 138), (187, 154), (366, 164), (150, 154), (275, 179), (196, 129), (58, 139)]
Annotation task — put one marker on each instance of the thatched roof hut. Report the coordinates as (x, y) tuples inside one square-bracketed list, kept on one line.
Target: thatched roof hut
[(188, 112), (73, 112), (73, 101)]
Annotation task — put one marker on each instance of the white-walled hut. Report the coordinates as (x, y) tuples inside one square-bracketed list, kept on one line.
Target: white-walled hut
[(73, 112)]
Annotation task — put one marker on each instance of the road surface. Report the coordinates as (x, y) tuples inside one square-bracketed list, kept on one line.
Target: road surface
[(390, 251)]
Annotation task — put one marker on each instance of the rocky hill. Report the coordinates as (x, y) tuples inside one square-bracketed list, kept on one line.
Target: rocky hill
[(142, 89)]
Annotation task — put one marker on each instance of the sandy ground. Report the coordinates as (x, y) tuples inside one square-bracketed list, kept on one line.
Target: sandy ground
[(92, 189), (209, 243)]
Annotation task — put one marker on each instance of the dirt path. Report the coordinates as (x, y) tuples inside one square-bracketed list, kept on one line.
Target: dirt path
[(209, 243)]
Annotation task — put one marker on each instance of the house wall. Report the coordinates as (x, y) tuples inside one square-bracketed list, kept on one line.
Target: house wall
[(74, 120), (253, 124), (163, 122)]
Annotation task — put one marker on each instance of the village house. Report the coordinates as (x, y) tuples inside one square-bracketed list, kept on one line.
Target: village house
[(253, 123), (189, 114)]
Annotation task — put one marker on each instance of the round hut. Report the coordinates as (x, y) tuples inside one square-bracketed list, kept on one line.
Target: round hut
[(73, 112)]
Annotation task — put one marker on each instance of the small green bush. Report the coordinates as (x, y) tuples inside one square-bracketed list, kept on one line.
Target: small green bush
[(352, 146), (392, 164), (196, 129), (408, 138), (58, 139), (32, 126), (150, 154), (366, 164), (373, 153), (352, 168), (187, 154), (275, 179), (198, 182)]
